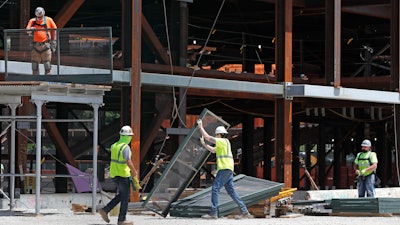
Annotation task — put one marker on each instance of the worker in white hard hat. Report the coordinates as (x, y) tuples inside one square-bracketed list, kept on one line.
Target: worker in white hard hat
[(121, 170), (225, 167), (44, 40), (365, 166)]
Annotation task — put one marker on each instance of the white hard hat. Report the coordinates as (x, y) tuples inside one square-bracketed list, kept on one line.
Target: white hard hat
[(366, 142), (220, 130), (39, 12), (126, 130)]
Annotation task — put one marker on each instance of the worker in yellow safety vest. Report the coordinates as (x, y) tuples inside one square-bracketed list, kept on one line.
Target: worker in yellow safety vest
[(121, 171), (225, 168), (365, 166)]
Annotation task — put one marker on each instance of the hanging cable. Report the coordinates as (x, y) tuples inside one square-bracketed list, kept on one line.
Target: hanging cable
[(176, 107), (205, 45), (359, 120), (45, 150), (259, 59)]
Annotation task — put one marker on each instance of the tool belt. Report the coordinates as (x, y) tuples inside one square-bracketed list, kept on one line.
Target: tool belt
[(41, 47)]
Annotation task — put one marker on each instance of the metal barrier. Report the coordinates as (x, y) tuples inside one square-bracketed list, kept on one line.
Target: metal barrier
[(82, 55)]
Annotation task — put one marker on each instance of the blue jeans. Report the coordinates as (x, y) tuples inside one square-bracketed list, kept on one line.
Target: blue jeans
[(366, 185), (224, 178), (123, 186)]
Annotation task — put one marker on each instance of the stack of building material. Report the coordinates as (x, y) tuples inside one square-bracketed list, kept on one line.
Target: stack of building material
[(252, 191), (366, 205)]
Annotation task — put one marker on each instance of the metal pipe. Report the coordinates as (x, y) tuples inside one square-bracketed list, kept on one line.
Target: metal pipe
[(95, 143), (13, 108), (39, 104)]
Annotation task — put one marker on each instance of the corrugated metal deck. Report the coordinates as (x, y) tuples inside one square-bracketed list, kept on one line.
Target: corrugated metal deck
[(252, 190)]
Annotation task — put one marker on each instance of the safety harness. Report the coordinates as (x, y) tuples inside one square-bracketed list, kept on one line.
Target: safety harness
[(368, 158), (44, 25)]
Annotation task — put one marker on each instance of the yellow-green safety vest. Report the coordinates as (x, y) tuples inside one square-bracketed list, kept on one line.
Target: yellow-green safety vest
[(365, 160), (118, 166), (224, 154)]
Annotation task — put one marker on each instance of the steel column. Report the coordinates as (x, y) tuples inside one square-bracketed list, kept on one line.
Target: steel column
[(13, 108), (321, 156), (247, 146), (95, 144), (183, 42), (394, 45), (283, 106), (268, 146), (136, 86), (296, 153), (332, 41), (39, 104)]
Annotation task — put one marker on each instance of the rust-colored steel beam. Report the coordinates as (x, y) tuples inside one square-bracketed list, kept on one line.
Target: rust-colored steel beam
[(164, 69), (229, 94), (164, 106), (136, 86), (67, 11), (153, 42), (283, 106)]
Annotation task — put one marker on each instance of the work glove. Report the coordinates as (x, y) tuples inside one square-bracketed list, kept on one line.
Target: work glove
[(135, 183), (202, 141), (362, 172), (199, 122)]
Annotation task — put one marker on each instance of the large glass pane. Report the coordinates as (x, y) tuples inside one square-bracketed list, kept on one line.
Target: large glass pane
[(185, 164)]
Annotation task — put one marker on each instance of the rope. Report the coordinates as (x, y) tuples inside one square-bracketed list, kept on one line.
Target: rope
[(176, 107)]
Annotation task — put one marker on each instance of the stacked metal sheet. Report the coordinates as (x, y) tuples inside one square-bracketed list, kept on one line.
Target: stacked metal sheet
[(366, 205), (252, 190)]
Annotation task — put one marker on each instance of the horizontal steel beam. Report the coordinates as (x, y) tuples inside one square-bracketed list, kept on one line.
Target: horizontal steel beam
[(351, 94), (211, 83)]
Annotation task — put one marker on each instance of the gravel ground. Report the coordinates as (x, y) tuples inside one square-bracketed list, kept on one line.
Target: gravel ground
[(54, 217)]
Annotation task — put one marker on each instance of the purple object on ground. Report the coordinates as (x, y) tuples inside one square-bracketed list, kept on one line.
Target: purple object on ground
[(83, 182)]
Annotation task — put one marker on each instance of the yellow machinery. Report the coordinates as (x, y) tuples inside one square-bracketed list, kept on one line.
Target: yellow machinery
[(283, 201)]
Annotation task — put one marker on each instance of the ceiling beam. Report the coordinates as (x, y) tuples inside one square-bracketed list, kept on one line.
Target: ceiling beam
[(67, 11)]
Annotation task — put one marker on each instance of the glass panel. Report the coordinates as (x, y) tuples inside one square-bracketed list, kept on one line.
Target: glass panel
[(185, 164)]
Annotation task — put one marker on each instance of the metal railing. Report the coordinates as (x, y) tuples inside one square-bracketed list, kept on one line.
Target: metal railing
[(82, 55)]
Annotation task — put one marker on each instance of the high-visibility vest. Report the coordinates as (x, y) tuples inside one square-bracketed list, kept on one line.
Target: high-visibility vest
[(224, 154), (118, 165), (365, 160)]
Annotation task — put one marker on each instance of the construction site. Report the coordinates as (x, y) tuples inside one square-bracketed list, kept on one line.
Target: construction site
[(298, 84)]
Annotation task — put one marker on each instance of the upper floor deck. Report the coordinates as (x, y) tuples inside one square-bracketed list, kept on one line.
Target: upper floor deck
[(82, 55)]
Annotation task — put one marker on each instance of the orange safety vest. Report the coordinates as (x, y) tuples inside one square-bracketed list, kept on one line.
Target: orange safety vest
[(41, 34)]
